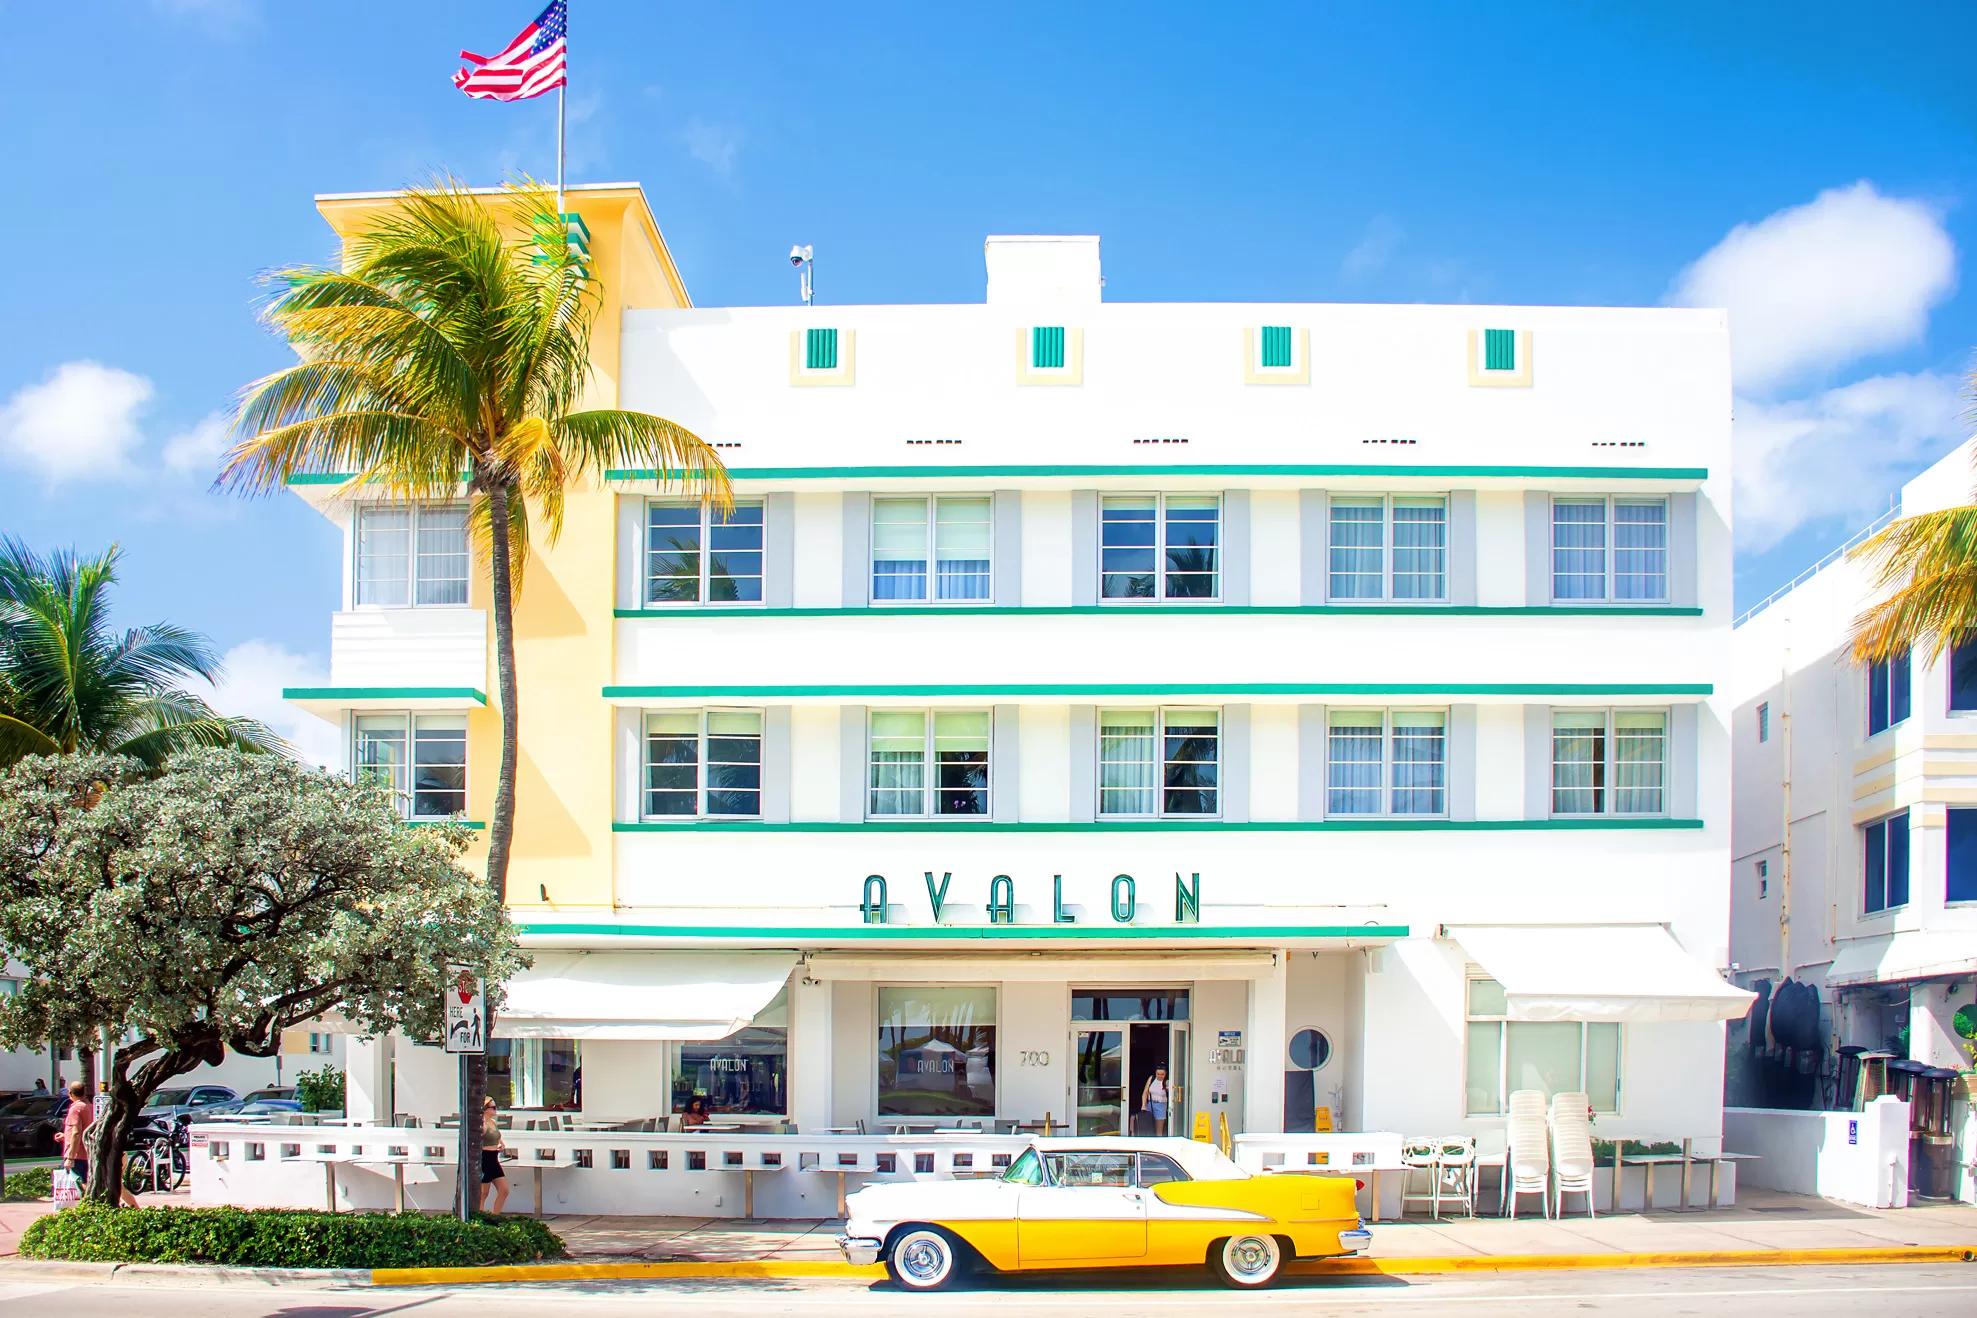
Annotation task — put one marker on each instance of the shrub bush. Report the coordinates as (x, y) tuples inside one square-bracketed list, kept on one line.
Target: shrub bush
[(34, 1183), (285, 1238)]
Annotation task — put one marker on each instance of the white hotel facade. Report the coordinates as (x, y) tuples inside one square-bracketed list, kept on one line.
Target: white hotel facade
[(1326, 702)]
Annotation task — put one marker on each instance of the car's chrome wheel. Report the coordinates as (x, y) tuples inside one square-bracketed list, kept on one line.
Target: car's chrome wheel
[(1248, 1262), (922, 1259)]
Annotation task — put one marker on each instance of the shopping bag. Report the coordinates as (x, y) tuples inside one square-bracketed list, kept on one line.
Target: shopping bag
[(68, 1188)]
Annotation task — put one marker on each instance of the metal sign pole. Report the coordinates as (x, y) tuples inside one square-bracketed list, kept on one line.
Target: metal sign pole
[(465, 1022)]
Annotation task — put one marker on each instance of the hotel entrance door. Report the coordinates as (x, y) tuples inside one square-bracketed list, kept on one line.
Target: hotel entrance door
[(1120, 1039)]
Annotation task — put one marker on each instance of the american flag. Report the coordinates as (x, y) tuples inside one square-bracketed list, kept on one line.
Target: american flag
[(532, 64)]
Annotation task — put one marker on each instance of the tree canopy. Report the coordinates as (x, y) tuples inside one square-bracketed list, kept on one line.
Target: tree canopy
[(215, 905)]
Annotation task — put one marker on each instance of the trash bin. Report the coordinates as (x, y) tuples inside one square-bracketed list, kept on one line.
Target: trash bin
[(1932, 1148)]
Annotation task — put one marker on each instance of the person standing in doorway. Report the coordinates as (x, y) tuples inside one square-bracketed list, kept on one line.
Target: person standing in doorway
[(493, 1178), (1153, 1099)]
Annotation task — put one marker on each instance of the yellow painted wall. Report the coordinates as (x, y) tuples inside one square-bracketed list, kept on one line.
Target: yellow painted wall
[(563, 621)]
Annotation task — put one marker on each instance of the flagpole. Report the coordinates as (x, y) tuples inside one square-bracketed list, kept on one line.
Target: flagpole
[(559, 151)]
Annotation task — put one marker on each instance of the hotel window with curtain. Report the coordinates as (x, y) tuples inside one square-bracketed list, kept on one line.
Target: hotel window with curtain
[(1552, 1057), (1888, 693), (1885, 863), (1609, 550), (696, 554), (931, 549), (702, 763), (420, 759), (1609, 762), (1160, 546), (1381, 762), (1159, 762), (412, 555), (1384, 548), (928, 764)]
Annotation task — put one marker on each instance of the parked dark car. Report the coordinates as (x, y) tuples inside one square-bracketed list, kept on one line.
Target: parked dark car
[(29, 1125), (195, 1099)]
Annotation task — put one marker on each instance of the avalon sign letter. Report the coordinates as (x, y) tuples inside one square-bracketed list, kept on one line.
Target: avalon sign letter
[(873, 908)]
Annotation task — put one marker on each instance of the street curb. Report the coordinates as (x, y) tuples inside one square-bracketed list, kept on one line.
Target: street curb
[(198, 1274), (1341, 1267)]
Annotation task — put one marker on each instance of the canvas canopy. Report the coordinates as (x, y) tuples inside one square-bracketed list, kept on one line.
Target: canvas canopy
[(1633, 973), (640, 995)]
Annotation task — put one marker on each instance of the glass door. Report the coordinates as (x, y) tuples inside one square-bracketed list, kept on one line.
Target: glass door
[(1100, 1101)]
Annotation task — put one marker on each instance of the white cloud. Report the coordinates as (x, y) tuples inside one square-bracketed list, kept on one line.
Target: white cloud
[(1374, 248), (197, 452), (1838, 453), (1812, 287), (256, 671), (714, 145), (79, 422)]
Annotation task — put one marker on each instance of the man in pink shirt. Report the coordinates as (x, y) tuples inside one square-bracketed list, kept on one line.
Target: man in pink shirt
[(75, 1121)]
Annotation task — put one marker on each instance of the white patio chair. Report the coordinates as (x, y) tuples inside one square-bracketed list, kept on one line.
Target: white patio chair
[(1529, 1171), (1418, 1156), (1572, 1150), (1455, 1178)]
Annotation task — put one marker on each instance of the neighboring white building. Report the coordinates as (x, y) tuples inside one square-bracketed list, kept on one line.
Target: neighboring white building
[(1876, 905), (1325, 702)]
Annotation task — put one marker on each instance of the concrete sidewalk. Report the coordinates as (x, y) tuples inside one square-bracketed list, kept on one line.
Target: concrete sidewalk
[(1762, 1220)]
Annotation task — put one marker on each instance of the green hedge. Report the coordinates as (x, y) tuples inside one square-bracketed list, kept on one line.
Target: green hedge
[(284, 1238), (34, 1183)]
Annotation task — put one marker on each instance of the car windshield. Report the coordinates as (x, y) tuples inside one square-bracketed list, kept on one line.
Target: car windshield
[(1026, 1170), (169, 1098), (34, 1107), (15, 1106), (1090, 1168)]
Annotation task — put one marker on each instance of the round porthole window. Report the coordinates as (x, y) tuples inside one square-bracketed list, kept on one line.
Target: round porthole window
[(1310, 1050)]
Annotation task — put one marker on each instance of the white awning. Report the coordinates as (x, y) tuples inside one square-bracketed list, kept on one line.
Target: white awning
[(640, 995), (1628, 973), (1892, 958)]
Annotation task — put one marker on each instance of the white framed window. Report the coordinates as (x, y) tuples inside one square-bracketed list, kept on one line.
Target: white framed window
[(1609, 762), (1609, 549), (932, 548), (1386, 762), (1388, 547), (1159, 763), (1160, 547), (411, 556), (1553, 1057), (695, 554), (420, 759), (702, 763), (319, 1043), (1764, 720), (928, 764)]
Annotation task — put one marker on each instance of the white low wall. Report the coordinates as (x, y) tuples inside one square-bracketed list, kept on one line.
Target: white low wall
[(1855, 1157)]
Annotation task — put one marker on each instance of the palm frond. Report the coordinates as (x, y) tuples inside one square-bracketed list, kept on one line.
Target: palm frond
[(1927, 567), (19, 739), (605, 438)]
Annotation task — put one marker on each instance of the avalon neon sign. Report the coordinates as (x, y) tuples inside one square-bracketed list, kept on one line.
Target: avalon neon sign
[(873, 907)]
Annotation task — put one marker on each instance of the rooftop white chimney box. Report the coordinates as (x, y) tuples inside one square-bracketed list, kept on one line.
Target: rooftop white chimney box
[(1043, 268)]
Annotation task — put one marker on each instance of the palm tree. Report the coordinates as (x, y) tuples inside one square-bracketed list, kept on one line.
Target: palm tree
[(444, 354), (1925, 568), (69, 684)]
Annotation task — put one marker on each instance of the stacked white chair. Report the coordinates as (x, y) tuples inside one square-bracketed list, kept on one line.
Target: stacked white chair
[(1529, 1169), (1572, 1150)]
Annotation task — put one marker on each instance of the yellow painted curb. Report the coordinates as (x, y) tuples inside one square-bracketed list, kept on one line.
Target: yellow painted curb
[(1343, 1267)]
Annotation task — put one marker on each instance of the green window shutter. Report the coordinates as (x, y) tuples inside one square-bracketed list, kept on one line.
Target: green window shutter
[(1499, 350), (820, 350), (1047, 347), (1277, 345)]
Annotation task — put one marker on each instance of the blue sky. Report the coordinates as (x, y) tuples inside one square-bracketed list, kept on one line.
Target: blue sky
[(1541, 153)]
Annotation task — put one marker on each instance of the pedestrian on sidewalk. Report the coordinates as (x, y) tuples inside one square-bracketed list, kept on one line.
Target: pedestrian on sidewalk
[(492, 1176), (75, 1120)]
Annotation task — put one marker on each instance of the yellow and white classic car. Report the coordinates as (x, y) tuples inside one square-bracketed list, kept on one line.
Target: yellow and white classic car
[(1087, 1203)]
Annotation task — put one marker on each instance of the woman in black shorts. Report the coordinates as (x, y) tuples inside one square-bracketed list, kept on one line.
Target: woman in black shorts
[(492, 1177)]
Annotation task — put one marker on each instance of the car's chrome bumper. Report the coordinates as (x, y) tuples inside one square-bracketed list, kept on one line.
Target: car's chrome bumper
[(1353, 1241), (860, 1251)]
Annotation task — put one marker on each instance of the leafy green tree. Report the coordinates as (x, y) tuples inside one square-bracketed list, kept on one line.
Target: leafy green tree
[(70, 684), (219, 903)]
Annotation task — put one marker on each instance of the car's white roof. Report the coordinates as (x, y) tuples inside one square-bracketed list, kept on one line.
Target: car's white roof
[(1204, 1162)]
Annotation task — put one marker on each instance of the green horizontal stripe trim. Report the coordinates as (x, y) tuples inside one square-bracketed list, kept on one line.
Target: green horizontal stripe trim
[(1164, 469), (1175, 826), (1164, 689), (383, 693), (1182, 610), (759, 934), (316, 478), (475, 824)]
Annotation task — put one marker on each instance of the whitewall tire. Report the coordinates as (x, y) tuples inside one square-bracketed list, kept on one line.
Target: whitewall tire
[(923, 1259), (1247, 1262)]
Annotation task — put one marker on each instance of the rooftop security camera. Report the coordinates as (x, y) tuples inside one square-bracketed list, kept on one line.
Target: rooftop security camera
[(798, 255)]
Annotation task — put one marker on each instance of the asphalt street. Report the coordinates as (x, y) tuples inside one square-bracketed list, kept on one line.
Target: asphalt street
[(1924, 1291)]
